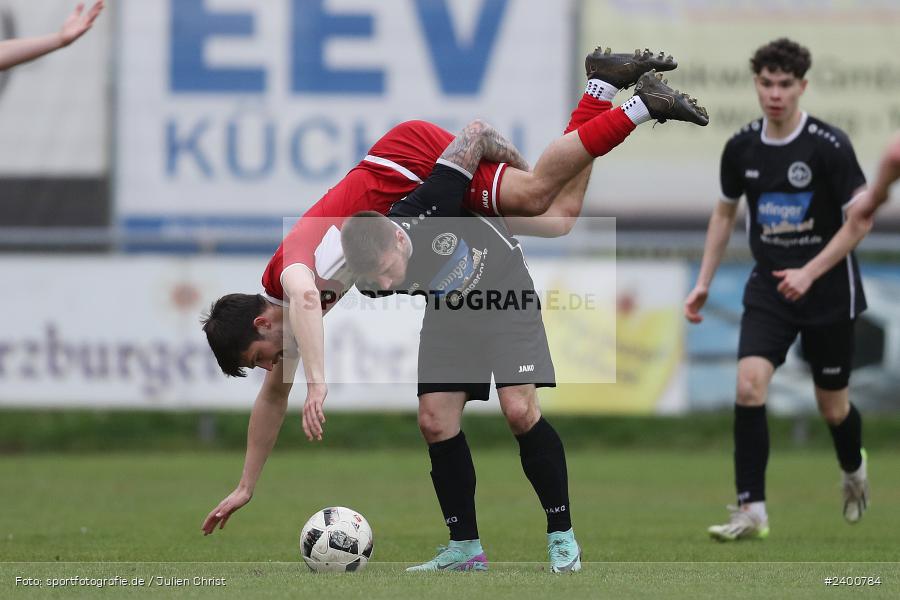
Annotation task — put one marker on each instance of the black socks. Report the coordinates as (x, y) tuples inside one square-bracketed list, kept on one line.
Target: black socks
[(848, 440), (751, 452), (544, 463), (453, 475)]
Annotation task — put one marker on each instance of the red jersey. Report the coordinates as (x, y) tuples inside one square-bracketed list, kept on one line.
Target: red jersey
[(397, 163)]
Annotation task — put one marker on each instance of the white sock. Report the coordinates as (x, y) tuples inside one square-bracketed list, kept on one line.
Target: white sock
[(637, 110), (757, 508), (601, 90)]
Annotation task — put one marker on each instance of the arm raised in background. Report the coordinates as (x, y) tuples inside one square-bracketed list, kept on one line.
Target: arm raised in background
[(305, 316), (265, 423), (868, 202), (721, 223), (17, 51)]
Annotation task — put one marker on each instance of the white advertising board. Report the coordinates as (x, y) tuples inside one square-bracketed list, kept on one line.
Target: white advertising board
[(241, 112), (124, 332)]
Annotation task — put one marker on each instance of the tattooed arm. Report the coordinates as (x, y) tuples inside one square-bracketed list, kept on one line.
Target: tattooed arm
[(478, 141)]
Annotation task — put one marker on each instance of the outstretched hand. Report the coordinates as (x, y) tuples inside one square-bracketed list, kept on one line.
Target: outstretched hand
[(78, 22), (221, 513)]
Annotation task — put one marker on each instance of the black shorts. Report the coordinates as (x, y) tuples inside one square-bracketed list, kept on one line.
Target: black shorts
[(460, 350), (827, 348)]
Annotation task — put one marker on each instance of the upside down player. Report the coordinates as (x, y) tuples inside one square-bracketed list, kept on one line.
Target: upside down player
[(305, 278), (482, 318), (799, 175)]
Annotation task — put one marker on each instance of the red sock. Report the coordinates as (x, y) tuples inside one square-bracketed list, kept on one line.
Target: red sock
[(588, 108), (605, 131)]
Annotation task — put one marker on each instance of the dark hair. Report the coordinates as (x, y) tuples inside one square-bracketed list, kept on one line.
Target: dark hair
[(230, 331), (365, 237), (782, 55)]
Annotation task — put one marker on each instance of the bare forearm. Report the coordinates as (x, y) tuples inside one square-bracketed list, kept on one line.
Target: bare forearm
[(18, 51), (265, 423), (499, 149), (844, 241), (309, 331), (888, 173), (478, 141), (717, 235), (305, 318)]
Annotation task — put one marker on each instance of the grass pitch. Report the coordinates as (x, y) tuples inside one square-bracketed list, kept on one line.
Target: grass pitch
[(640, 516)]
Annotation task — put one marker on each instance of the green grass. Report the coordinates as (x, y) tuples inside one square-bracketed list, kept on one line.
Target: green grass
[(639, 515)]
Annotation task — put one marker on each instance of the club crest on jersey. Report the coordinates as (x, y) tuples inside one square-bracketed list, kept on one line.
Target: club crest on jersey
[(444, 244), (799, 174)]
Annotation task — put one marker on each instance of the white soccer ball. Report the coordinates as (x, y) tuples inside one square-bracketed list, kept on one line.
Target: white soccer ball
[(336, 539)]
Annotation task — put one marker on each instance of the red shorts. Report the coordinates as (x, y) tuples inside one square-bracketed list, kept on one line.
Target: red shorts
[(484, 193)]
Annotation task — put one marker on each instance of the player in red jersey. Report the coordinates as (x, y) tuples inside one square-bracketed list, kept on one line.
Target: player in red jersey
[(17, 51), (308, 270)]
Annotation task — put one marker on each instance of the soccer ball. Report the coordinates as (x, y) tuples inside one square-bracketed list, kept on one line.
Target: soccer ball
[(336, 539)]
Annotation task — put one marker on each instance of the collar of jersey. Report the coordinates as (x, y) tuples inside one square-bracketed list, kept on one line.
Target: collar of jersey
[(783, 141)]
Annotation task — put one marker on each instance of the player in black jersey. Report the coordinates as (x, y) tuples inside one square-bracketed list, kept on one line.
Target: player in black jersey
[(482, 318), (799, 174)]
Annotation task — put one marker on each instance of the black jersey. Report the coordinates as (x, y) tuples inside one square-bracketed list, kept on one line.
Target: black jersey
[(454, 250), (797, 189)]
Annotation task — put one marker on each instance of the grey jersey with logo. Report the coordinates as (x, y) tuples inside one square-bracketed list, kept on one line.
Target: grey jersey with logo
[(455, 250)]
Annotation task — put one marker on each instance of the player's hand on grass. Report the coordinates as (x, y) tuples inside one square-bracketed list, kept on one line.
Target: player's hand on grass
[(694, 302), (794, 283), (77, 24), (313, 415), (220, 514)]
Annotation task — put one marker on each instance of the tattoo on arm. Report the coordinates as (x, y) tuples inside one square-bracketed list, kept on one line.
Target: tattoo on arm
[(481, 141)]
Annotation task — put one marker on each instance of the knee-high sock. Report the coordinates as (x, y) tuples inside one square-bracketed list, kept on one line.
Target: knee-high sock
[(848, 440), (588, 108), (605, 131), (751, 452), (544, 463), (453, 475)]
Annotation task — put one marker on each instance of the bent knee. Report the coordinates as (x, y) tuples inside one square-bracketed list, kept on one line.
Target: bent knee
[(751, 391), (521, 416), (433, 428)]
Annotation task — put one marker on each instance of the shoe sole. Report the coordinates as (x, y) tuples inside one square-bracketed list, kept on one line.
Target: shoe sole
[(652, 85), (593, 63), (469, 565)]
